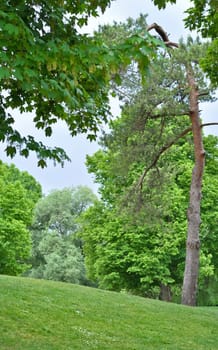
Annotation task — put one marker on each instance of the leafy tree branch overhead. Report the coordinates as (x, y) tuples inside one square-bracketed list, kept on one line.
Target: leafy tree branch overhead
[(49, 68)]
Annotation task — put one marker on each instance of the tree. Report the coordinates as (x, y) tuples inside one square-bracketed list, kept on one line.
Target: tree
[(60, 209), (171, 100), (18, 195), (138, 253), (56, 252), (203, 17), (193, 243), (28, 182), (62, 260)]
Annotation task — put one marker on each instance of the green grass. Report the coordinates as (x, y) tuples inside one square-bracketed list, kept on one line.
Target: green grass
[(44, 315)]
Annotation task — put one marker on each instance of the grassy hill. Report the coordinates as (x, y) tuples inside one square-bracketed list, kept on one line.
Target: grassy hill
[(44, 315)]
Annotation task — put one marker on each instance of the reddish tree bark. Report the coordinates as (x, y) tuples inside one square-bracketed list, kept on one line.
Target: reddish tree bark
[(190, 280)]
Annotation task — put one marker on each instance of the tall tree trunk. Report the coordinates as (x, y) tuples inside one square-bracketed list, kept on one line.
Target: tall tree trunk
[(190, 281)]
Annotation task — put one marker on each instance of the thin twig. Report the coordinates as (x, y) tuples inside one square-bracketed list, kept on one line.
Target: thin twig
[(208, 124)]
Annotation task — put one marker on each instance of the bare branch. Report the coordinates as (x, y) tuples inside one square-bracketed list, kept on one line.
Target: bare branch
[(163, 35), (171, 44), (159, 30), (162, 115), (203, 93), (208, 124)]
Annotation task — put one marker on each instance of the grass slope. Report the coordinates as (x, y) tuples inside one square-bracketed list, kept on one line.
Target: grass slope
[(44, 315)]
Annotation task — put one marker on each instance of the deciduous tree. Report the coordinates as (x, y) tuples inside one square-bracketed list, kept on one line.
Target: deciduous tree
[(56, 252), (18, 195)]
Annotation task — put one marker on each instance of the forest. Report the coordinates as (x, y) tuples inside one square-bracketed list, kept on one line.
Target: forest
[(152, 229)]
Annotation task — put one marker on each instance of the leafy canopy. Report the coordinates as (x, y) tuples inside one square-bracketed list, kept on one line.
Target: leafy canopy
[(49, 68)]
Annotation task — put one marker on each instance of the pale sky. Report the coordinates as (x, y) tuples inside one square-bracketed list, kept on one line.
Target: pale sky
[(75, 173)]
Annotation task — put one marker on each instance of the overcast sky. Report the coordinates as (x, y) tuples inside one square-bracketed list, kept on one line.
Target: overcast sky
[(75, 173)]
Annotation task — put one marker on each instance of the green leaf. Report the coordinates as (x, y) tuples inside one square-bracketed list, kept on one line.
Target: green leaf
[(42, 163), (48, 131), (4, 73), (24, 152), (11, 151), (11, 29)]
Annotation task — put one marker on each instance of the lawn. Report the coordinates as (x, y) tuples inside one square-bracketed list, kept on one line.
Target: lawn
[(46, 315)]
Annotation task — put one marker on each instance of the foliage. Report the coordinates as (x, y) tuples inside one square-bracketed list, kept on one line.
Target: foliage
[(123, 253), (60, 208), (49, 68), (209, 62), (209, 204), (28, 182), (64, 316), (56, 252), (162, 3), (139, 246), (18, 194), (203, 16), (63, 261), (209, 231)]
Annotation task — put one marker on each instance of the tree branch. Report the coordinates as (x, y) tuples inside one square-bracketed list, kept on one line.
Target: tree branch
[(208, 124), (165, 38), (165, 148), (203, 93), (157, 116), (162, 150), (171, 44), (163, 35)]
